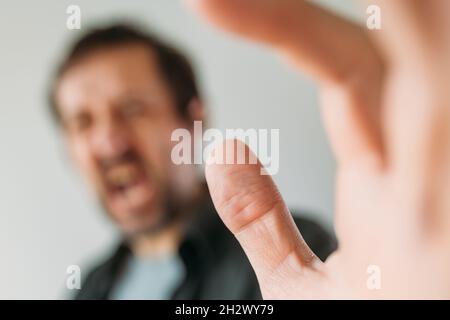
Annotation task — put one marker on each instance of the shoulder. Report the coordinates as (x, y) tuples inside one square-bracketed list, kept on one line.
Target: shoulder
[(99, 279)]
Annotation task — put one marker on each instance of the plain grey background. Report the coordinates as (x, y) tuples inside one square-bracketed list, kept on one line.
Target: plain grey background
[(48, 219)]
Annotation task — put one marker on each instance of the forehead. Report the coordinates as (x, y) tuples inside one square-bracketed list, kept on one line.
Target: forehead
[(109, 74)]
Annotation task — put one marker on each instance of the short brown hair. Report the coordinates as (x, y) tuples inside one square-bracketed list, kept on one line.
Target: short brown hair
[(174, 66)]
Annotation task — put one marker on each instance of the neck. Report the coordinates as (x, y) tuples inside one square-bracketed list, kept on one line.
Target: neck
[(157, 244)]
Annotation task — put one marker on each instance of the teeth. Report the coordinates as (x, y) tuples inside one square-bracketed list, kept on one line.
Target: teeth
[(122, 175)]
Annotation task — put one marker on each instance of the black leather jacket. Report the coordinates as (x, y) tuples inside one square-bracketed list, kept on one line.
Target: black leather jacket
[(216, 266)]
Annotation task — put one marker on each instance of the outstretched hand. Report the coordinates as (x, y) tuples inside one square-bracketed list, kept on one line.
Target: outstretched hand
[(386, 109)]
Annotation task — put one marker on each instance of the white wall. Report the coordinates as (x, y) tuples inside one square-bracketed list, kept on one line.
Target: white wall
[(47, 219)]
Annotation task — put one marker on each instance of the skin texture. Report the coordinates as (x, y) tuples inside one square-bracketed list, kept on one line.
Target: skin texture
[(118, 114), (385, 107)]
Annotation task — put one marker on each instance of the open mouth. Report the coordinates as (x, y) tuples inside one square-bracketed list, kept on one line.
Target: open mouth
[(123, 177), (128, 186)]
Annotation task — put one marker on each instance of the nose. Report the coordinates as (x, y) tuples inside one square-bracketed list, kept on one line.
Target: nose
[(110, 139)]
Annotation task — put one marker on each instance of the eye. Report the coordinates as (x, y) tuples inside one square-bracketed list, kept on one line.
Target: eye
[(81, 122), (133, 108)]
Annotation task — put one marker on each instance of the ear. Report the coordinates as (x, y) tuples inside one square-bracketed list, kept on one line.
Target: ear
[(195, 111)]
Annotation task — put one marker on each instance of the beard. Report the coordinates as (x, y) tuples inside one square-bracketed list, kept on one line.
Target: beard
[(154, 220)]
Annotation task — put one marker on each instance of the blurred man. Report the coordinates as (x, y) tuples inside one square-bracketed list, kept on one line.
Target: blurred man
[(118, 96)]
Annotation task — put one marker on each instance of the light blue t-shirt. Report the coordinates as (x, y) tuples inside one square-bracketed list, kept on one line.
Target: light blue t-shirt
[(153, 278)]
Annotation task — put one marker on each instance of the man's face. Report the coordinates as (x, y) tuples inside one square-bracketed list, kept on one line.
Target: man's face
[(118, 114)]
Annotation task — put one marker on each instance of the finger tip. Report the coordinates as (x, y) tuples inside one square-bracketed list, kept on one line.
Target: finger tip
[(230, 155)]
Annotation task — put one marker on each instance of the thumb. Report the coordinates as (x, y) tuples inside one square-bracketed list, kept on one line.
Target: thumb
[(252, 208)]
